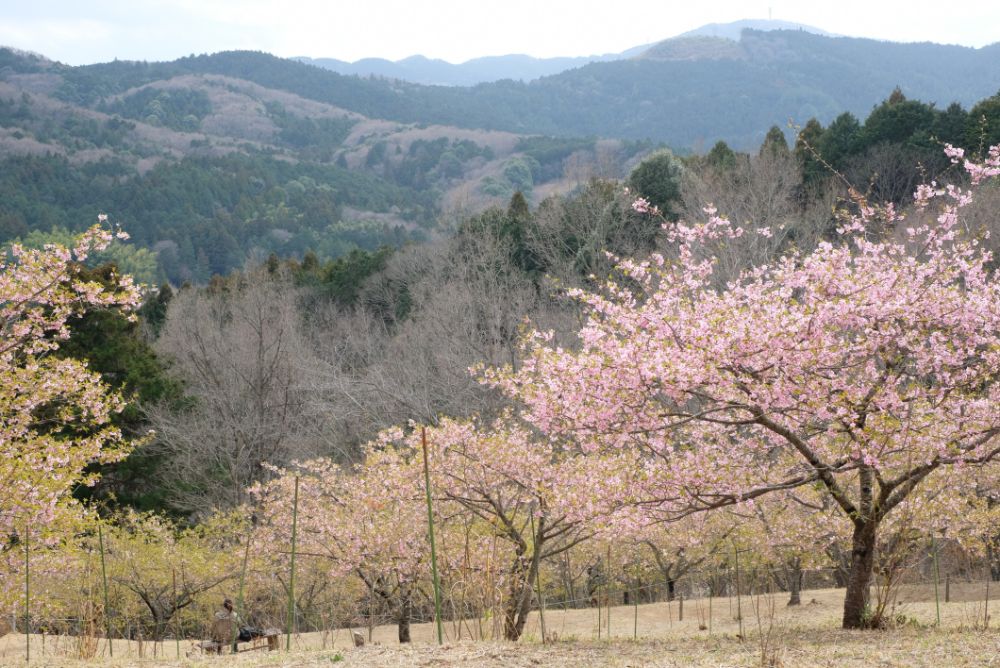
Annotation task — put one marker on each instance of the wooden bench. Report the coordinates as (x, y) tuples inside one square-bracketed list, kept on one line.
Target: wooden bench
[(224, 633)]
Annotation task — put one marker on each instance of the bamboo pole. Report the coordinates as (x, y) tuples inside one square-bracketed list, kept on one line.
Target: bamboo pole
[(538, 581), (291, 577), (177, 621), (635, 611), (709, 609), (104, 579), (739, 601), (937, 577), (607, 592), (430, 533), (986, 603), (27, 597), (243, 576)]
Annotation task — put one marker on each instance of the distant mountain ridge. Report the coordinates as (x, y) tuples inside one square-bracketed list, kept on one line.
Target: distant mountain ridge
[(435, 72), (687, 92), (733, 29), (520, 67)]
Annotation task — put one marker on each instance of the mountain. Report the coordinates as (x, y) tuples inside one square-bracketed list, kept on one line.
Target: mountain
[(687, 92), (519, 67), (734, 29), (207, 168), (212, 159), (435, 72), (687, 101)]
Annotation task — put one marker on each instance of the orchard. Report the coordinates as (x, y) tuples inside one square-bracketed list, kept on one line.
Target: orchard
[(830, 413)]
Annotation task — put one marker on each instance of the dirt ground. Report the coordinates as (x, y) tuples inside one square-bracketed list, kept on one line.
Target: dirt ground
[(772, 634)]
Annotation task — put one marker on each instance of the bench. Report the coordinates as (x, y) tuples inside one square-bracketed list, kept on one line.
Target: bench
[(224, 634)]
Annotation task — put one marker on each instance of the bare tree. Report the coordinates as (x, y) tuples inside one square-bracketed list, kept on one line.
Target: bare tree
[(239, 349), (761, 194)]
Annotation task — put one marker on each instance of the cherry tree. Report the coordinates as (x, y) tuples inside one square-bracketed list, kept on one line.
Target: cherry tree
[(370, 522), (55, 414), (865, 367), (538, 501)]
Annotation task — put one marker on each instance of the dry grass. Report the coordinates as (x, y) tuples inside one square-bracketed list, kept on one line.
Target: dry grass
[(803, 636)]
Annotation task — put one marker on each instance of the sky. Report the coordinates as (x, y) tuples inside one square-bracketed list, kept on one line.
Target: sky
[(80, 32)]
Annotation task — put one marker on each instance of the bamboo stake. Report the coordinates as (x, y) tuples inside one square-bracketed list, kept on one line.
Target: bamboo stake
[(607, 592), (739, 601), (538, 582), (291, 577), (599, 606), (177, 621), (430, 532), (27, 598), (243, 575), (635, 612), (986, 603), (709, 609), (104, 578), (937, 576)]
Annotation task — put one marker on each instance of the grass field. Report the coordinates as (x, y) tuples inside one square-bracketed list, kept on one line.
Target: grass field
[(772, 634)]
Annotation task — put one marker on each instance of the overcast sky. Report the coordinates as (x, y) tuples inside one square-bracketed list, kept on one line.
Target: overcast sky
[(89, 31)]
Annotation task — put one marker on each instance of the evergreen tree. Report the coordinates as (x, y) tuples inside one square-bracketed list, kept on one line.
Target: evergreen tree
[(658, 179)]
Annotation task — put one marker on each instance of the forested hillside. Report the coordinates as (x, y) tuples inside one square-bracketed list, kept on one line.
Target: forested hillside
[(209, 170), (210, 160), (680, 92)]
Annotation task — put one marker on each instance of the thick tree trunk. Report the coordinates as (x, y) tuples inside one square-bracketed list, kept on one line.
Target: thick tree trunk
[(403, 618), (519, 600), (795, 590), (859, 578), (671, 589)]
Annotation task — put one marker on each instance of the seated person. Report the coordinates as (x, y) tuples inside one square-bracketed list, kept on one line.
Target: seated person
[(246, 633)]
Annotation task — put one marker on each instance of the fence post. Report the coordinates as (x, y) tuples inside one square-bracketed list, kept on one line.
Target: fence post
[(680, 608), (430, 532), (104, 578), (291, 577), (947, 588)]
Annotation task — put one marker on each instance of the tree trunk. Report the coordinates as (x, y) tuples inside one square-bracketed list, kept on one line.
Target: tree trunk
[(519, 601), (671, 589), (403, 618), (795, 591), (856, 609), (793, 569), (993, 558)]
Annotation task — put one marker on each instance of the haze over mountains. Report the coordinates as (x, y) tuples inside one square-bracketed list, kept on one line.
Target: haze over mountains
[(521, 67)]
